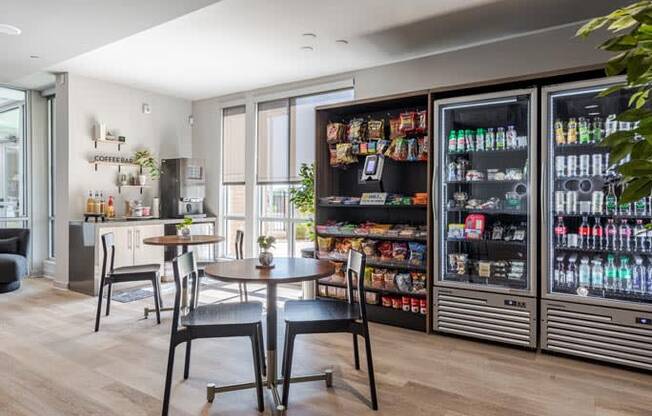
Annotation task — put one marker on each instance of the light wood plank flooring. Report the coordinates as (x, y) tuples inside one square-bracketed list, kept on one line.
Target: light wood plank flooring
[(51, 363)]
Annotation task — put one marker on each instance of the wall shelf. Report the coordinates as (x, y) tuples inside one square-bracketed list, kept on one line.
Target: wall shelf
[(114, 142), (118, 164), (133, 186)]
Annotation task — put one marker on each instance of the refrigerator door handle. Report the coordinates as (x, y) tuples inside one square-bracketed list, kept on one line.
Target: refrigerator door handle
[(435, 196)]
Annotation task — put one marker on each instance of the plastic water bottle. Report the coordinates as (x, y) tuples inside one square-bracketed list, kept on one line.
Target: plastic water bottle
[(585, 233), (625, 235), (597, 273), (571, 272), (560, 273), (611, 233), (597, 235), (610, 273), (638, 275), (624, 275), (640, 235), (648, 280), (584, 273)]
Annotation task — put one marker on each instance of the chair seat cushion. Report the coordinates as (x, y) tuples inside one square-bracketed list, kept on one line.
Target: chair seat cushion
[(13, 267), (131, 273), (224, 314), (9, 245), (320, 310)]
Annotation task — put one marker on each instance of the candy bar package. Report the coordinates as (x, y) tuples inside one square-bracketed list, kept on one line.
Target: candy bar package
[(417, 253), (357, 130), (399, 251), (376, 129), (396, 303), (405, 301), (335, 132), (408, 122), (382, 147)]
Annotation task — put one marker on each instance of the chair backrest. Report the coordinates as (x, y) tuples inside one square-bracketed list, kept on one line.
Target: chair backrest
[(239, 239), (22, 234), (108, 249), (356, 266), (185, 269)]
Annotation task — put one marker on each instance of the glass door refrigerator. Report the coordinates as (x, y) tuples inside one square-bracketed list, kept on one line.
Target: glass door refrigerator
[(485, 217), (597, 254)]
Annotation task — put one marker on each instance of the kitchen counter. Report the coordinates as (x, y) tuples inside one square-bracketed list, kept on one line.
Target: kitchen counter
[(122, 222)]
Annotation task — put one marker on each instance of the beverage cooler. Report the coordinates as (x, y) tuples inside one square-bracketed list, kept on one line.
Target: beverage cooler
[(485, 217), (596, 267)]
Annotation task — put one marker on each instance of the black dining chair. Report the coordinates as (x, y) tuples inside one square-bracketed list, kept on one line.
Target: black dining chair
[(215, 320), (239, 255), (327, 316), (141, 273)]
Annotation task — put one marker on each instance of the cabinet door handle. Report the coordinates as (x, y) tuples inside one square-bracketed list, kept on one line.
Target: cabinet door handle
[(129, 240), (137, 238)]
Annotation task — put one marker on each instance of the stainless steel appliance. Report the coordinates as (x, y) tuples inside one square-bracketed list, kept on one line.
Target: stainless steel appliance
[(596, 254), (183, 187), (485, 216)]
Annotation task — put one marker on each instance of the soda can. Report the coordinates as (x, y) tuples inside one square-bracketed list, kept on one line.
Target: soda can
[(585, 161), (596, 165), (597, 202), (560, 166), (571, 202), (560, 202), (571, 165)]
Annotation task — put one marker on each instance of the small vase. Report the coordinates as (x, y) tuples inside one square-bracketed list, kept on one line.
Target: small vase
[(142, 180), (185, 232), (266, 258)]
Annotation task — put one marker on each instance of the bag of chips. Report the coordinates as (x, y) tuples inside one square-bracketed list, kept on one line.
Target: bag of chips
[(412, 150), (403, 282), (357, 130), (378, 279), (335, 132), (356, 244), (369, 248), (345, 154), (422, 121), (376, 129), (333, 156), (417, 253), (390, 284), (408, 122), (394, 127), (385, 249), (418, 282), (325, 245), (423, 148), (399, 251), (343, 245)]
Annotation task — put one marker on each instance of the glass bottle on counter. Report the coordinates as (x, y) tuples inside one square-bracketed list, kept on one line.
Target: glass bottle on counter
[(90, 203), (96, 204), (102, 204), (110, 208)]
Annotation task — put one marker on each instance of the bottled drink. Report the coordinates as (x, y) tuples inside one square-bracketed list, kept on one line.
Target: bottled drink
[(597, 273), (640, 235), (560, 232), (96, 204), (624, 274), (560, 166), (571, 272), (597, 235), (611, 201), (571, 132), (596, 130), (490, 139), (479, 139), (469, 140), (610, 234), (625, 208), (597, 202), (584, 132), (510, 138), (102, 203), (559, 132), (452, 142), (624, 235), (585, 162), (638, 275), (571, 166), (584, 275), (90, 203), (560, 273), (648, 277), (640, 207), (610, 125), (585, 233), (610, 273), (110, 207), (460, 141), (596, 165), (500, 138)]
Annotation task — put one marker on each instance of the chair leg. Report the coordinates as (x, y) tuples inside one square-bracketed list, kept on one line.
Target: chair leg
[(261, 349), (168, 379), (287, 373), (356, 353), (109, 293), (157, 300), (160, 294), (244, 288), (240, 292), (255, 346), (186, 369), (99, 306), (370, 369), (285, 348)]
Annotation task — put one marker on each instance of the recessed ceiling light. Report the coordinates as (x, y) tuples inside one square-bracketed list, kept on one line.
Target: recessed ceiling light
[(34, 56), (9, 30), (342, 41), (307, 48), (309, 35)]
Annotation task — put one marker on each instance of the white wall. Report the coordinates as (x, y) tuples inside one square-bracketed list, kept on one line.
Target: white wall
[(166, 132), (38, 180)]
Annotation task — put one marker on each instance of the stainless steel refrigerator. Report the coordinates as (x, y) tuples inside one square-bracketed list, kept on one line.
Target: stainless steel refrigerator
[(596, 268), (485, 216)]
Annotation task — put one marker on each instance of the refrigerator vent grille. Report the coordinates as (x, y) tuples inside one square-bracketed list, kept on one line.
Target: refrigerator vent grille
[(474, 318), (594, 336)]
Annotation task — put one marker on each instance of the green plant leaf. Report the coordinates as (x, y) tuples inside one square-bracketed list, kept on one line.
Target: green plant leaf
[(637, 189), (634, 114), (591, 26), (619, 43), (636, 168), (620, 151), (611, 90)]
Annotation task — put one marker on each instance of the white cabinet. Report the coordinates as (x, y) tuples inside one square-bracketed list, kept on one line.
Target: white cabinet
[(129, 247), (143, 253)]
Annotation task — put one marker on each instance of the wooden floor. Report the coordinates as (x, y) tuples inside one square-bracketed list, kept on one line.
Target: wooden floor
[(51, 363)]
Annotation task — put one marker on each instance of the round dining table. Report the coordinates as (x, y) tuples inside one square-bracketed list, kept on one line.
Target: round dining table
[(285, 270), (183, 242)]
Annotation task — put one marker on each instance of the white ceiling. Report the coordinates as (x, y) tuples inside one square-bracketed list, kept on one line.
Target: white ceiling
[(238, 45)]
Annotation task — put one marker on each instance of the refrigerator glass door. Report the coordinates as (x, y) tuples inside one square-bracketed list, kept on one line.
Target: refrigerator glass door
[(599, 250), (486, 225)]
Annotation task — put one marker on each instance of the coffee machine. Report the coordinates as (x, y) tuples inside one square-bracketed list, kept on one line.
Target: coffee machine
[(183, 187)]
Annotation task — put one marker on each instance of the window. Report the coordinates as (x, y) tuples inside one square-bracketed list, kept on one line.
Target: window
[(51, 170), (285, 140), (233, 174), (13, 159)]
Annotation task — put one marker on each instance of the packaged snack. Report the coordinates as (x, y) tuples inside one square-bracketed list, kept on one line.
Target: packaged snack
[(412, 150), (369, 248), (371, 298), (343, 245), (422, 121), (400, 149), (385, 248), (382, 147), (408, 122), (357, 130), (417, 253), (423, 148), (415, 305), (390, 282), (418, 282), (335, 132), (423, 307), (474, 226), (386, 301), (323, 291), (355, 148), (455, 231), (376, 129), (405, 302), (333, 156), (403, 282), (396, 303), (399, 251), (368, 276), (371, 148), (338, 276), (356, 244), (378, 279), (325, 245), (394, 127), (344, 154)]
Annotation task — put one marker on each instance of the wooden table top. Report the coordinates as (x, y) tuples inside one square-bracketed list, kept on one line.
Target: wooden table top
[(178, 240), (286, 270)]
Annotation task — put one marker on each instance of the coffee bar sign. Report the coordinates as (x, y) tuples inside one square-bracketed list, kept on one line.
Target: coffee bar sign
[(103, 158)]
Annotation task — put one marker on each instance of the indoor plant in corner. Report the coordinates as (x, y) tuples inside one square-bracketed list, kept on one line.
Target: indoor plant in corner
[(184, 227), (303, 198), (266, 258), (146, 160)]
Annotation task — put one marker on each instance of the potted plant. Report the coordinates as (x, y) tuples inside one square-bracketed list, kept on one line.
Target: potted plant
[(184, 227), (266, 258), (146, 160), (303, 198)]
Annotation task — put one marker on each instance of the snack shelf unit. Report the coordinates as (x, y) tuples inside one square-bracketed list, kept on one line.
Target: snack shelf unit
[(399, 177)]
